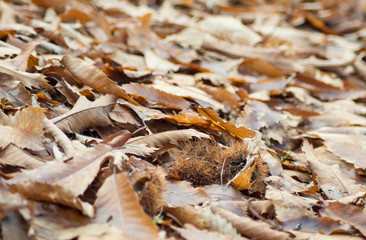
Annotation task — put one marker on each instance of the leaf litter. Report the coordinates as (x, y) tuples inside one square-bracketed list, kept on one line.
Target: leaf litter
[(182, 119)]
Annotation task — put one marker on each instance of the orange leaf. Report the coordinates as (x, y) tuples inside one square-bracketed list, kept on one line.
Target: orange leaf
[(239, 132), (242, 181)]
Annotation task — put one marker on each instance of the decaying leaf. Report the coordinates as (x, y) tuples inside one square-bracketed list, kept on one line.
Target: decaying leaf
[(85, 114), (93, 77), (81, 169), (348, 213), (14, 156), (240, 132), (52, 193), (333, 183), (20, 138), (249, 227), (118, 204), (180, 193), (231, 119)]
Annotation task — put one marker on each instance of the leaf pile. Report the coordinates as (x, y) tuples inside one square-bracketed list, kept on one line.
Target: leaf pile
[(182, 119)]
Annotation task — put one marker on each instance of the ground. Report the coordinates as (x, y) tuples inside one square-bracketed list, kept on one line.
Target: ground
[(182, 119)]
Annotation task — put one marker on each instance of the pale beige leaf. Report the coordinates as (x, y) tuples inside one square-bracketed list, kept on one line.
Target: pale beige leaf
[(180, 193), (203, 218), (14, 156), (229, 28), (158, 64), (92, 231), (162, 138), (250, 227), (81, 169), (190, 232), (30, 80), (331, 179), (86, 114), (52, 193), (287, 205), (59, 136), (345, 142), (118, 204), (20, 138)]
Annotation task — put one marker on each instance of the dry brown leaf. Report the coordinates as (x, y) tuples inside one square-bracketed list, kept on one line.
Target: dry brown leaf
[(52, 193), (123, 115), (259, 66), (249, 227), (59, 136), (30, 80), (118, 204), (287, 205), (162, 138), (86, 114), (188, 118), (271, 55), (345, 142), (29, 119), (156, 96), (240, 132), (318, 236), (181, 193), (221, 193), (21, 61), (94, 77), (189, 232), (20, 138), (257, 114), (202, 218), (324, 225), (14, 91), (14, 156), (332, 181), (81, 169), (348, 213)]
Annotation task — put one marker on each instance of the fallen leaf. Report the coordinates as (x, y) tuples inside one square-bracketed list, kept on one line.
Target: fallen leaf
[(181, 193), (189, 232), (85, 114), (157, 96), (94, 77), (240, 132), (14, 156), (118, 204), (52, 193), (331, 180), (243, 180), (82, 168), (259, 66), (350, 214), (249, 227)]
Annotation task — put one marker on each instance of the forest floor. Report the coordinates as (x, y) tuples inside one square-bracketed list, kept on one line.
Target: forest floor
[(183, 119)]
